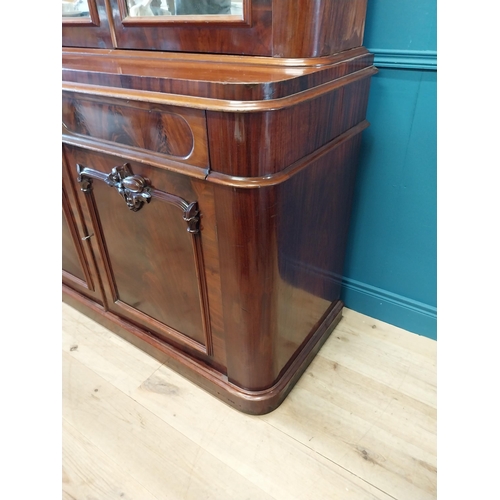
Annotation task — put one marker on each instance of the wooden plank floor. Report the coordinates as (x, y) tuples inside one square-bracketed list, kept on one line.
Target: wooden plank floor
[(359, 424)]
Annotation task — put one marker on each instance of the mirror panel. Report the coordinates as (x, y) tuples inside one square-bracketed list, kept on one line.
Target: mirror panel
[(75, 8), (155, 8)]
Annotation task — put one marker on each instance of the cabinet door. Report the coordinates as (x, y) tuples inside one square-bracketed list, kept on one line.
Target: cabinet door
[(85, 24), (147, 226), (78, 267), (210, 26)]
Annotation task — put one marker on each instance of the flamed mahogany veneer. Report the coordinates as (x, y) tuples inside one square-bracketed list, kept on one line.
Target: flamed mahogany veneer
[(207, 184)]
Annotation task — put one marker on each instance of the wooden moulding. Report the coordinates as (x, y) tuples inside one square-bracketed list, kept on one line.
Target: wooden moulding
[(210, 176), (304, 107), (91, 56), (212, 104), (92, 19), (285, 174), (251, 402), (183, 20), (136, 154)]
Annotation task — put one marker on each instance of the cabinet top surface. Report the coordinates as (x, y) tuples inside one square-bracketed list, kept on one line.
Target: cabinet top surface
[(211, 76)]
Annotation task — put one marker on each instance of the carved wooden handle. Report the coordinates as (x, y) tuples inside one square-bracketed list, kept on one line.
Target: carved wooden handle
[(137, 190), (134, 189)]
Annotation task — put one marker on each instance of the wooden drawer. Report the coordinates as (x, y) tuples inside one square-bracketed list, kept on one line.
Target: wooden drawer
[(170, 132)]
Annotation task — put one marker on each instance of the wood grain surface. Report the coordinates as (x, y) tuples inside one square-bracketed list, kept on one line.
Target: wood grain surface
[(277, 28), (208, 75), (169, 126)]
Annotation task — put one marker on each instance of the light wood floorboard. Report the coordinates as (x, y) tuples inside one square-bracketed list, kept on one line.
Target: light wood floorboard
[(359, 424)]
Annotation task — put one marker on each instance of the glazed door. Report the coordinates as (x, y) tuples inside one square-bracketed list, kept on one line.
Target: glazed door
[(203, 26), (85, 24), (147, 226)]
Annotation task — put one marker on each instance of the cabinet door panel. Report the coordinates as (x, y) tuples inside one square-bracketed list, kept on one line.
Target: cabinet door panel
[(151, 250), (71, 260), (78, 268)]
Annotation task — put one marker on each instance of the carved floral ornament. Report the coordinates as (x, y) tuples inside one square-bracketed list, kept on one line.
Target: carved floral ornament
[(134, 189), (137, 190)]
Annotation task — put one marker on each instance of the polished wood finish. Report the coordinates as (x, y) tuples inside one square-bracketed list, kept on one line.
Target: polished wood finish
[(299, 130), (78, 263), (207, 196), (274, 28), (95, 32), (313, 28), (140, 155), (170, 131), (153, 277), (174, 76), (294, 168), (282, 262), (252, 36)]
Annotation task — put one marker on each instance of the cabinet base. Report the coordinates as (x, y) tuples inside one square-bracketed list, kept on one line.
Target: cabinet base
[(206, 377)]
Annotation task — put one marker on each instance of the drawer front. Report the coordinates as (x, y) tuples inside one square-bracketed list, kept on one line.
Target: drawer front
[(171, 132)]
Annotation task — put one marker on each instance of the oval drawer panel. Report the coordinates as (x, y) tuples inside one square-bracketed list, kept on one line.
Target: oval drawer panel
[(174, 132)]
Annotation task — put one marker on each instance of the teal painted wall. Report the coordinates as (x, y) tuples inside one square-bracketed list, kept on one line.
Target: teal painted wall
[(390, 270)]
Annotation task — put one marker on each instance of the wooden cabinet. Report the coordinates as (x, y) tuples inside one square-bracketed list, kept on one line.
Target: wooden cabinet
[(206, 196), (277, 28)]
